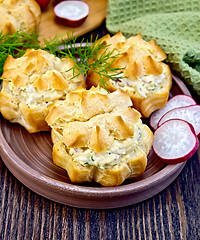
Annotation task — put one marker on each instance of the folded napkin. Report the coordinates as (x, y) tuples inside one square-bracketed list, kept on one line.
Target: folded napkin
[(175, 25)]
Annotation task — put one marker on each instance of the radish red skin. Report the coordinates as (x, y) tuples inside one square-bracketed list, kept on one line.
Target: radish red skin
[(179, 100), (191, 114), (70, 23), (162, 134), (43, 3)]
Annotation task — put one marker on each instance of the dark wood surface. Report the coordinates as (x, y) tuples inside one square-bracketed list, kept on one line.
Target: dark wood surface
[(172, 214)]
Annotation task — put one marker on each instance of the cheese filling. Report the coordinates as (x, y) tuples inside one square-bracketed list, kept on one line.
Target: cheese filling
[(31, 97), (143, 85), (117, 153)]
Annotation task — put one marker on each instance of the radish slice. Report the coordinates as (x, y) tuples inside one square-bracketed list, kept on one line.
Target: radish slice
[(175, 141), (191, 114), (73, 13), (174, 102)]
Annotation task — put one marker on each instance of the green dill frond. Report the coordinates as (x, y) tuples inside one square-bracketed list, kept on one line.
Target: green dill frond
[(85, 54), (16, 44)]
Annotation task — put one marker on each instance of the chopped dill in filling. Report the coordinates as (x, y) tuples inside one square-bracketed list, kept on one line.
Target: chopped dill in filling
[(117, 153), (31, 97), (143, 85)]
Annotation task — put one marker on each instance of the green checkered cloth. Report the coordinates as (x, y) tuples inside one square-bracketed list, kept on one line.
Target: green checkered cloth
[(174, 24)]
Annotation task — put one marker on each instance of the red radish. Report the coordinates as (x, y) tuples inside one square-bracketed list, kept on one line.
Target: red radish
[(174, 102), (43, 3), (191, 114), (72, 13), (175, 141), (57, 1)]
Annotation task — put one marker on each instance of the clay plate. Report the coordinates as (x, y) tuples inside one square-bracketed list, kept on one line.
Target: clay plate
[(28, 157)]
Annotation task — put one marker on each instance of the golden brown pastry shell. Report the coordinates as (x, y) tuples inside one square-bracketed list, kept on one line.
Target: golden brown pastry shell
[(19, 15), (113, 176), (31, 84), (97, 131), (136, 58)]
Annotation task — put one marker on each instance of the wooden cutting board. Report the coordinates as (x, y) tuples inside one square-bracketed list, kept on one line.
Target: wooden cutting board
[(49, 27)]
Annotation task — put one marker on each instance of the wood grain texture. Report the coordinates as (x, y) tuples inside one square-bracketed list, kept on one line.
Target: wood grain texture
[(49, 27), (172, 214)]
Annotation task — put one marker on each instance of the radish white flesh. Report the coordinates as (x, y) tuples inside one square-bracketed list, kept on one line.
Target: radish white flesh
[(73, 13), (191, 114), (175, 141), (174, 102)]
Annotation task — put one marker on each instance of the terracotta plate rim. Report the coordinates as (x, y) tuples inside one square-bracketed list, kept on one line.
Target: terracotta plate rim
[(86, 194)]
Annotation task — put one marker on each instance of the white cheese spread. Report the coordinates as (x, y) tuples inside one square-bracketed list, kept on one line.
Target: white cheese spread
[(118, 152), (30, 96), (143, 85)]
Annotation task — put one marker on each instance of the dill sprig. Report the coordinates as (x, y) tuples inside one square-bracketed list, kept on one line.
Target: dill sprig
[(85, 54), (15, 45)]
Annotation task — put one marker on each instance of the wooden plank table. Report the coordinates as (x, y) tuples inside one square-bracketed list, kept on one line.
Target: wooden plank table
[(172, 214), (49, 27)]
